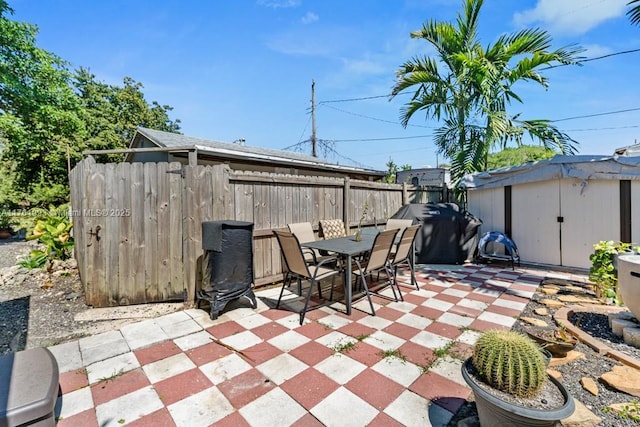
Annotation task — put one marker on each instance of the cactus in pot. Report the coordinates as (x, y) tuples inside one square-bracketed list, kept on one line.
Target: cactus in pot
[(510, 362)]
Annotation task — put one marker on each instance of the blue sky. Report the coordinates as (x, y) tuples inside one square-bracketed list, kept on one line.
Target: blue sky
[(243, 68)]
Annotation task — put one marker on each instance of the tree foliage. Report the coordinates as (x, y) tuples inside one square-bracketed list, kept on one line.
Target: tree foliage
[(392, 169), (468, 88), (49, 115), (634, 11), (514, 156)]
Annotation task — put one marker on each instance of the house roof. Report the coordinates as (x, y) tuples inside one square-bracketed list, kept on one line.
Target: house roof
[(581, 167), (244, 152)]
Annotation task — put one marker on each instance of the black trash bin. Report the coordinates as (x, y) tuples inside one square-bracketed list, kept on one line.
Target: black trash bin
[(227, 264)]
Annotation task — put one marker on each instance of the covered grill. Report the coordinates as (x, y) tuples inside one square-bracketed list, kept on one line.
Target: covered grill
[(227, 263)]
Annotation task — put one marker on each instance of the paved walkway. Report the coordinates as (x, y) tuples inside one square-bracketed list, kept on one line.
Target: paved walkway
[(261, 368)]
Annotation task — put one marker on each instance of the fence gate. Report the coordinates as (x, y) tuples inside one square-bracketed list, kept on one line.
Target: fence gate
[(129, 240)]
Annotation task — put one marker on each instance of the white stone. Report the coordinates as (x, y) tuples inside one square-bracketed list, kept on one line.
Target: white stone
[(625, 315), (618, 325), (631, 336)]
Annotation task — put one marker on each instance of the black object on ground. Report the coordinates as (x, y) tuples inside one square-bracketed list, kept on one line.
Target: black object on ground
[(448, 235), (227, 264)]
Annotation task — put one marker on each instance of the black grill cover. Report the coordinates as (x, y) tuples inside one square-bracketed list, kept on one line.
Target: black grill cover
[(228, 257), (447, 236)]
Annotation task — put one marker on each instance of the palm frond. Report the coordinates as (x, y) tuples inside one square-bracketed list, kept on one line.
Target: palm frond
[(634, 12)]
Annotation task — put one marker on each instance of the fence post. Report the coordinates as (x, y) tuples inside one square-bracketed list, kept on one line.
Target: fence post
[(346, 198), (405, 194)]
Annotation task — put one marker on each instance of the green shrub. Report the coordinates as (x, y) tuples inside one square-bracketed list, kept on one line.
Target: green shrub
[(603, 272), (54, 232), (510, 362)]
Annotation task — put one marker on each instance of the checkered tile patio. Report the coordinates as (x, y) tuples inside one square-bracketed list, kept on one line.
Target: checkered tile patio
[(261, 368)]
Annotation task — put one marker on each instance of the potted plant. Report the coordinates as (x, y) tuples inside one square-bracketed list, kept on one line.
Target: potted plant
[(556, 341), (507, 374)]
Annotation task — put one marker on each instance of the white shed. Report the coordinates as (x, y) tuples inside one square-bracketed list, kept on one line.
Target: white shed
[(557, 209)]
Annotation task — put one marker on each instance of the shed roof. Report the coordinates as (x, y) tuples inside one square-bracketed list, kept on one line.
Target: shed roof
[(581, 167), (229, 150)]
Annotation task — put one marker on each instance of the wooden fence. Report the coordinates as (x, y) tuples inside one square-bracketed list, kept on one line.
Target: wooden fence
[(137, 226)]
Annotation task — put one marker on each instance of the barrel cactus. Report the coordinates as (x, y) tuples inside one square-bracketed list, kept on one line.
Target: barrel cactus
[(510, 362)]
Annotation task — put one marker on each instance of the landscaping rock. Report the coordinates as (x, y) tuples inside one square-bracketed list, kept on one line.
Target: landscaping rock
[(571, 356), (551, 303), (555, 374), (535, 322), (582, 417), (590, 385), (623, 378), (572, 299), (541, 311), (549, 291)]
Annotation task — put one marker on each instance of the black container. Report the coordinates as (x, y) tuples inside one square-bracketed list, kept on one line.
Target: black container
[(227, 263)]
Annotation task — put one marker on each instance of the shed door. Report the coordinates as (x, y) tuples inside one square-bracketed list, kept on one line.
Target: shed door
[(535, 209), (591, 212)]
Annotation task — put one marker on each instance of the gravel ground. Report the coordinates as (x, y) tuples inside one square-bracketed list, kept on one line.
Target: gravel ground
[(37, 309)]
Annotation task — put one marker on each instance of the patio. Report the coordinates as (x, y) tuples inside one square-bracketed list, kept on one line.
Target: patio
[(260, 367)]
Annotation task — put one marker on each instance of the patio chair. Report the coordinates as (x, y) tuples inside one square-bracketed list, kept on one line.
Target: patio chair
[(404, 253), (377, 261), (332, 228), (304, 232), (398, 224), (299, 269)]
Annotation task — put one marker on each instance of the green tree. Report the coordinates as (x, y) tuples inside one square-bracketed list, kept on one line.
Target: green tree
[(49, 116), (38, 110), (634, 11), (392, 169), (469, 88), (112, 113), (513, 156)]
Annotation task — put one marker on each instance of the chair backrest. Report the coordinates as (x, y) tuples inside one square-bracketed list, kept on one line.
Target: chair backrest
[(398, 224), (381, 249), (405, 244), (332, 228), (292, 253), (303, 231)]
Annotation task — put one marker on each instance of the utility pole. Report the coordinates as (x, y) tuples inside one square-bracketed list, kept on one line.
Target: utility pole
[(313, 119)]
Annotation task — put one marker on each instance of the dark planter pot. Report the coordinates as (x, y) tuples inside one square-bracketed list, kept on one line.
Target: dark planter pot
[(556, 348), (5, 233), (493, 411)]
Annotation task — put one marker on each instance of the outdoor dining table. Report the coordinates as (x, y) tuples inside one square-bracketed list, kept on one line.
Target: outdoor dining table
[(346, 247)]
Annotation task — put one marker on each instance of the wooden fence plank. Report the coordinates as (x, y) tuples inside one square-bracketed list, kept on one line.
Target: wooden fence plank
[(176, 268), (137, 238), (126, 287), (151, 231)]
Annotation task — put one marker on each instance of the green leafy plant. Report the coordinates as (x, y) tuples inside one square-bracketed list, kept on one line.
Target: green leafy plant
[(603, 272), (629, 411), (54, 233), (510, 362)]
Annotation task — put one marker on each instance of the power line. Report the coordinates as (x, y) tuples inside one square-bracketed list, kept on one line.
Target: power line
[(624, 52), (381, 139), (596, 115), (375, 118)]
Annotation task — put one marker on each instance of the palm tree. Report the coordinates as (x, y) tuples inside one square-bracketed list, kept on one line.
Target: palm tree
[(469, 87), (634, 12)]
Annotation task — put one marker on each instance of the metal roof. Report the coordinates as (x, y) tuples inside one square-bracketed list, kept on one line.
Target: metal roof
[(238, 151), (581, 167)]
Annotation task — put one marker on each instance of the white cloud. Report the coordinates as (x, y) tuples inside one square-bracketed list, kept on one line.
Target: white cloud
[(570, 16), (595, 50), (310, 17), (278, 4)]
